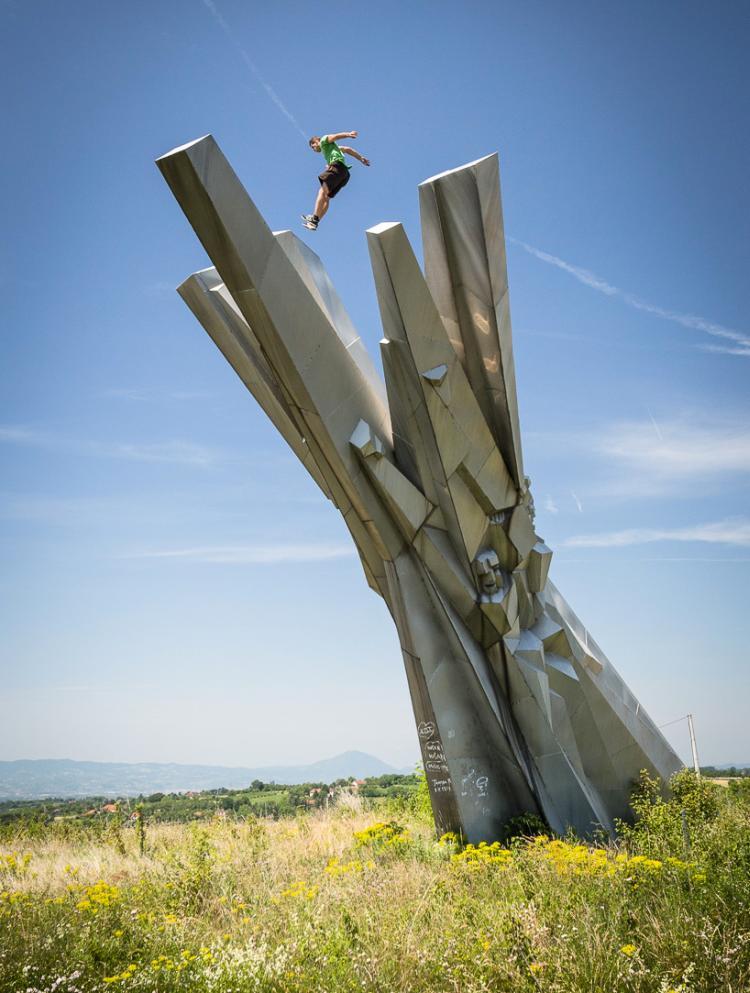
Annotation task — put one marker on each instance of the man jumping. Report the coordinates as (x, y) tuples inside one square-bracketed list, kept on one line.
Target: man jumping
[(336, 174)]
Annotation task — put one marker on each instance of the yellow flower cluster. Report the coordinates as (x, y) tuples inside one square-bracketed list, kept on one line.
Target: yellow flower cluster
[(336, 867), (98, 896), (167, 964), (301, 891), (640, 862), (691, 869), (10, 899), (569, 859), (163, 962), (237, 906), (628, 951), (582, 860), (382, 835), (14, 863), (450, 838), (122, 977), (577, 860), (475, 856)]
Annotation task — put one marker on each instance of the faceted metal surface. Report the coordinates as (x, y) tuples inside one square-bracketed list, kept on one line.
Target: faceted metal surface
[(517, 708)]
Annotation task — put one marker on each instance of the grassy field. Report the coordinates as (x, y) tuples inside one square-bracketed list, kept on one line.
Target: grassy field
[(350, 900)]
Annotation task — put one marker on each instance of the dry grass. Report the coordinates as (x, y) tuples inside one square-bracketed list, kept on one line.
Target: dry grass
[(260, 906), (273, 849)]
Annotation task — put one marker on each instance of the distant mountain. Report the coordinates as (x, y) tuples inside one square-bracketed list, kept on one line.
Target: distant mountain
[(39, 778)]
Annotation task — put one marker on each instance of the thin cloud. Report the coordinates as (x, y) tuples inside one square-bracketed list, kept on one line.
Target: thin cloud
[(250, 554), (677, 449), (142, 394), (188, 395), (550, 506), (176, 452), (272, 94), (16, 435), (726, 350), (63, 511), (740, 340), (679, 456), (578, 503), (124, 393), (563, 335), (159, 288), (734, 532)]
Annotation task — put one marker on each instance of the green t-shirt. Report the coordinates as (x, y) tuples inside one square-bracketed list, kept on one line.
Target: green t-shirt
[(331, 152)]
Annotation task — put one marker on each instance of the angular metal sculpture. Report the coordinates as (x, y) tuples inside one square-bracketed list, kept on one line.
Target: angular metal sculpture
[(517, 709)]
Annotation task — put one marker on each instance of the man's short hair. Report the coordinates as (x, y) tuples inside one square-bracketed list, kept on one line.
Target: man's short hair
[(314, 138)]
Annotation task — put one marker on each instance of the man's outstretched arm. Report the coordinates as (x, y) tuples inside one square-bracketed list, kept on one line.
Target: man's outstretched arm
[(340, 135), (354, 154)]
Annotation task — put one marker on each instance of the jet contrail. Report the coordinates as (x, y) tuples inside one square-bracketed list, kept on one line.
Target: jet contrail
[(741, 341), (211, 6), (656, 426)]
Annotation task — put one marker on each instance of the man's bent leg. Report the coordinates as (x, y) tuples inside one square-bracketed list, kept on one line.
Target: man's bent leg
[(321, 204)]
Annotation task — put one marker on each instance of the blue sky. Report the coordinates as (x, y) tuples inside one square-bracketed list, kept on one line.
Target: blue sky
[(172, 586)]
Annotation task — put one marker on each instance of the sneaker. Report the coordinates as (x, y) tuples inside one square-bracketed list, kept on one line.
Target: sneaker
[(309, 221)]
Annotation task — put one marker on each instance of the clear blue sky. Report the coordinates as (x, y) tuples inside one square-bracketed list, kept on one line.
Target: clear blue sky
[(172, 586)]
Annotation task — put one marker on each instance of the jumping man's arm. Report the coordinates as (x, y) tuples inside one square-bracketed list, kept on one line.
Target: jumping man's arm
[(354, 154), (340, 135)]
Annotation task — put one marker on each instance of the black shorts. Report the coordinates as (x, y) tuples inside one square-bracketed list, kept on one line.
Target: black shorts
[(336, 176)]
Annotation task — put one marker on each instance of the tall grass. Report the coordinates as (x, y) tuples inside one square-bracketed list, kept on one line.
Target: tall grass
[(341, 901)]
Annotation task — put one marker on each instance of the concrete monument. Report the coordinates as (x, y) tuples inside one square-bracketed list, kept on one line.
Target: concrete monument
[(517, 708)]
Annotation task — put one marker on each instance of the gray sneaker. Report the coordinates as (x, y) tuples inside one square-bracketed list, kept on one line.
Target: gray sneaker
[(310, 221)]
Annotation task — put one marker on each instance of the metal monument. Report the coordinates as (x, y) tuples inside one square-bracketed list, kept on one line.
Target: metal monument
[(517, 708)]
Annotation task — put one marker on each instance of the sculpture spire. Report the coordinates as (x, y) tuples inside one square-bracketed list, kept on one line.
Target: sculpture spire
[(517, 709)]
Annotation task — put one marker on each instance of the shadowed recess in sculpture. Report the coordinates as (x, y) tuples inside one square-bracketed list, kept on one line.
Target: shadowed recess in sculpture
[(517, 708)]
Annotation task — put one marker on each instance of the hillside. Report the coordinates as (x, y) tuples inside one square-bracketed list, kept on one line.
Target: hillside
[(39, 778)]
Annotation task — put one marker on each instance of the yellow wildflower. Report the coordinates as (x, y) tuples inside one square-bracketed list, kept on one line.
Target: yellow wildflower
[(99, 895), (300, 890), (14, 863), (473, 856), (448, 839), (382, 835)]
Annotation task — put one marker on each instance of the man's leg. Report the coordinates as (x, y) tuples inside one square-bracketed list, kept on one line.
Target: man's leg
[(321, 204)]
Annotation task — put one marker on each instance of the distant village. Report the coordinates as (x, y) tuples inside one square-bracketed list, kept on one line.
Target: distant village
[(257, 800)]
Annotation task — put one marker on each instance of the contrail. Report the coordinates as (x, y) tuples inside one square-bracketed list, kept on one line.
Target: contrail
[(656, 426), (741, 342), (211, 6)]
